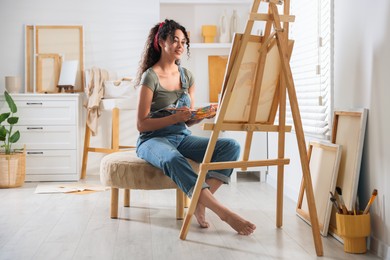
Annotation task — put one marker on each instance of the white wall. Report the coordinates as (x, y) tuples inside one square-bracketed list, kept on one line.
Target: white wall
[(361, 79), (114, 31), (114, 36)]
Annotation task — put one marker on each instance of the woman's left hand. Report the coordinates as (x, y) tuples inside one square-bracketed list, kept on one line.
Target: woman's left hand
[(193, 121)]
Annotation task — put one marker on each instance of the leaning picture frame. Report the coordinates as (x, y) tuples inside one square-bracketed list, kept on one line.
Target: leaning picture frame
[(324, 162), (47, 72), (348, 130)]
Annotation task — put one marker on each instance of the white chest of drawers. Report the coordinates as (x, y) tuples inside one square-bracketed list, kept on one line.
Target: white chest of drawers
[(50, 126)]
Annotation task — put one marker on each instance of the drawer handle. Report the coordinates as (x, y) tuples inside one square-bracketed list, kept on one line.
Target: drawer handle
[(34, 152), (34, 128), (34, 103)]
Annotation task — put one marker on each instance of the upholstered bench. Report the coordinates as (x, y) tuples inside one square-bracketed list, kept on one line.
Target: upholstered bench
[(124, 170)]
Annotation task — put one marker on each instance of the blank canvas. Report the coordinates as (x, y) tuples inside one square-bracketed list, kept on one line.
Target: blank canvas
[(348, 130), (68, 73), (324, 161)]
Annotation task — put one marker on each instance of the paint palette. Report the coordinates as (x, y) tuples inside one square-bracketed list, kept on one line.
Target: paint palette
[(204, 112)]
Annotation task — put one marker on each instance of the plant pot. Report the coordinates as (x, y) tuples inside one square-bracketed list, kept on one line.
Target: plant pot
[(12, 169)]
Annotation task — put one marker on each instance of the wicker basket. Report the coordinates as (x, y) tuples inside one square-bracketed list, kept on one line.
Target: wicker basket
[(12, 169)]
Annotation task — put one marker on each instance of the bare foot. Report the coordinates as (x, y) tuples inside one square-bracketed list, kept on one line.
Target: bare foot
[(200, 214), (242, 226)]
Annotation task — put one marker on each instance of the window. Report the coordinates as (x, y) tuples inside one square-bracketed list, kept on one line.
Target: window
[(312, 64)]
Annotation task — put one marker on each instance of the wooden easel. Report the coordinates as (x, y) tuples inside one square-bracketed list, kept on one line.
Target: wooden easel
[(266, 95)]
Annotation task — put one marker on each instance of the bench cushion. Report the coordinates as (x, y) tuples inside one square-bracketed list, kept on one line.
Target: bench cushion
[(125, 170)]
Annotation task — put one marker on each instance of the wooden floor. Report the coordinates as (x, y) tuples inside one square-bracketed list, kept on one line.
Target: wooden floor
[(69, 226)]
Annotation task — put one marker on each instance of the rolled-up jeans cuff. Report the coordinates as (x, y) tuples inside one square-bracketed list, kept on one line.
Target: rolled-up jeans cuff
[(204, 186), (216, 175)]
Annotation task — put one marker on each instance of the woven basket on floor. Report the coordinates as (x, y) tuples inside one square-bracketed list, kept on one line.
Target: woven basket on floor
[(12, 169)]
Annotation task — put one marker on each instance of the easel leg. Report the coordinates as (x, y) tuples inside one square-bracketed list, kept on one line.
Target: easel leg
[(279, 196), (247, 148), (198, 185), (282, 44), (281, 152), (305, 168), (193, 204)]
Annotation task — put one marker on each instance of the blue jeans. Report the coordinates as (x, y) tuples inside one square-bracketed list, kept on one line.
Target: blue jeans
[(169, 153)]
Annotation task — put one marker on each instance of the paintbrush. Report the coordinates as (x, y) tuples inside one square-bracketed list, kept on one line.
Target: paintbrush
[(342, 209), (373, 196), (335, 204), (342, 204), (357, 205)]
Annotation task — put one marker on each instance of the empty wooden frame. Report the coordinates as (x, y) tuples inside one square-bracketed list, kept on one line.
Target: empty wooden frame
[(48, 72), (348, 130), (324, 161)]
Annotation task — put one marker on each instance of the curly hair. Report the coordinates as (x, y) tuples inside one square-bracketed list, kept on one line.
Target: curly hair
[(150, 54)]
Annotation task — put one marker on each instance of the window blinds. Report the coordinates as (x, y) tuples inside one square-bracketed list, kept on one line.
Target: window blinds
[(311, 65)]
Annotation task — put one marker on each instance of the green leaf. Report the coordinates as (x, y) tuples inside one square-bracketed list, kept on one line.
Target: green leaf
[(4, 116), (3, 133), (15, 137), (10, 101), (12, 120)]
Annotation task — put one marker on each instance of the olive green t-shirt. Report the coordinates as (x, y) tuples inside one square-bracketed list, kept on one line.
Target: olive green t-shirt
[(162, 97)]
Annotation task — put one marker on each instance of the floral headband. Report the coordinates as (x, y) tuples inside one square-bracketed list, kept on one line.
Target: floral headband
[(155, 42)]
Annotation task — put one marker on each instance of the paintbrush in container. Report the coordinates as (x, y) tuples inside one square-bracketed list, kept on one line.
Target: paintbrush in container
[(373, 196), (357, 205), (335, 204), (342, 204)]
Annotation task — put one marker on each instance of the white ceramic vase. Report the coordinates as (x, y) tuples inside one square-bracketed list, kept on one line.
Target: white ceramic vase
[(233, 24), (13, 84), (224, 32)]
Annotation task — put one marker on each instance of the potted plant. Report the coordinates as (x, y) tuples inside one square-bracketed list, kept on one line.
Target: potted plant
[(12, 161)]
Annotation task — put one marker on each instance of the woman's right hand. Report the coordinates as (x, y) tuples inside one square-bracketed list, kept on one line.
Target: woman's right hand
[(183, 114)]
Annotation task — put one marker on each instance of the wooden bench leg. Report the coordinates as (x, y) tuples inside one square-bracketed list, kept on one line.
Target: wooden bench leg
[(187, 201), (114, 202), (179, 204), (126, 198)]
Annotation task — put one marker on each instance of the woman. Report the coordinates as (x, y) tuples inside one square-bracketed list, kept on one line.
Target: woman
[(164, 111)]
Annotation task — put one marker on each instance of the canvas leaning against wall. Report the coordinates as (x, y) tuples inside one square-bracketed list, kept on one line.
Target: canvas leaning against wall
[(324, 162), (47, 48), (348, 130)]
